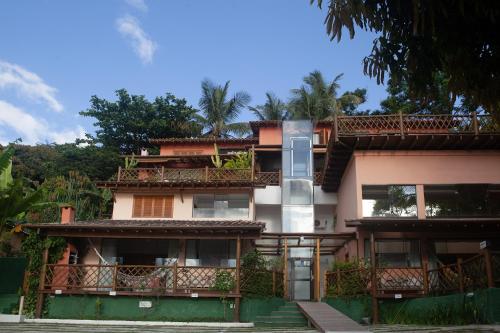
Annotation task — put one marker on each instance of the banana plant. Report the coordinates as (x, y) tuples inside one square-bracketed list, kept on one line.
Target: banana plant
[(216, 160), (130, 163)]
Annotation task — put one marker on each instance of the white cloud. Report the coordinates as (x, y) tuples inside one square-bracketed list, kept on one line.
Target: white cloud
[(138, 4), (28, 84), (33, 130), (143, 45)]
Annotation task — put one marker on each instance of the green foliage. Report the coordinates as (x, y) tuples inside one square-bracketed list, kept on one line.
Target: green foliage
[(352, 279), (219, 112), (216, 160), (257, 274), (6, 167), (224, 282), (43, 161), (128, 123), (414, 40), (317, 99), (273, 109), (130, 163), (76, 190), (463, 312), (33, 246), (242, 160)]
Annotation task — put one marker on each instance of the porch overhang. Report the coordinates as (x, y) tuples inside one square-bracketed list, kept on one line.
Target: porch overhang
[(154, 229), (435, 226), (180, 185)]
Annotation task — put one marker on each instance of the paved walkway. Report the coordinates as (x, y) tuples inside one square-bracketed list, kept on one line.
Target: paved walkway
[(66, 328), (327, 319)]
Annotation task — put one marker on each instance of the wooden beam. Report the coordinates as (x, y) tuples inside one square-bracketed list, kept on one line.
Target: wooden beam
[(317, 272), (375, 313), (238, 268), (41, 285)]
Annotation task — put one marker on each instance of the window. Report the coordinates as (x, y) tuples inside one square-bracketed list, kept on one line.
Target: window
[(389, 200), (301, 157), (153, 206), (464, 200), (395, 252), (221, 205), (211, 252)]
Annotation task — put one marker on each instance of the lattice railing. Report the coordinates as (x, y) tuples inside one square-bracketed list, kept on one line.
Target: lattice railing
[(183, 175), (349, 282), (474, 273), (268, 178), (414, 124), (400, 278), (445, 279), (134, 279)]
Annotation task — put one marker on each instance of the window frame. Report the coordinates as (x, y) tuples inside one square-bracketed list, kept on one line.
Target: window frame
[(167, 210)]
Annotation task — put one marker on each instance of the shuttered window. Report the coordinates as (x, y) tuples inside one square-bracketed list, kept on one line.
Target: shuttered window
[(153, 206)]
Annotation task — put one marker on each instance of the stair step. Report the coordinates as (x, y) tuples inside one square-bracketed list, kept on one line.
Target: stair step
[(275, 324), (283, 319), (286, 313)]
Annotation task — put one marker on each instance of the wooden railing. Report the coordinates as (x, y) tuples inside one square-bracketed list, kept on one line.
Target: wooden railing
[(403, 124), (274, 178), (180, 175), (478, 272), (131, 279)]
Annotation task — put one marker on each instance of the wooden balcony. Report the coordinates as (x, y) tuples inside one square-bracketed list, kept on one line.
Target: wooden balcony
[(170, 280), (198, 175), (274, 178), (404, 124), (478, 272)]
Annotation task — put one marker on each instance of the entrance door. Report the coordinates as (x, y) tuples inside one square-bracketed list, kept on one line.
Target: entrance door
[(300, 278)]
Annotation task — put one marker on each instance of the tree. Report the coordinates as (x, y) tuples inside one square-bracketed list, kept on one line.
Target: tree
[(437, 101), (44, 161), (317, 99), (219, 112), (417, 39), (15, 199), (128, 123), (273, 109)]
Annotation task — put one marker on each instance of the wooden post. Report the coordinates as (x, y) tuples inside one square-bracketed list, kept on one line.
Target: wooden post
[(401, 125), (325, 283), (253, 162), (206, 173), (285, 271), (115, 276), (41, 285), (174, 286), (335, 128), (162, 173), (274, 282), (119, 173), (489, 268), (475, 124), (425, 276), (375, 314), (460, 275), (317, 272), (238, 264), (279, 177)]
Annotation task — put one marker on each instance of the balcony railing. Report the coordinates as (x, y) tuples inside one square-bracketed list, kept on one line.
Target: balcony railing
[(403, 124), (274, 178), (127, 279), (184, 175), (478, 272)]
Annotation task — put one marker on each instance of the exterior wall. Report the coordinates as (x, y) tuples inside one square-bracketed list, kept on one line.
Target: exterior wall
[(270, 136), (270, 215), (269, 195), (347, 198), (182, 209), (324, 198), (200, 148)]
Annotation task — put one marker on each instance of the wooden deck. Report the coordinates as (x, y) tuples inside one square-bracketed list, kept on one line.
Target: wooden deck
[(326, 319)]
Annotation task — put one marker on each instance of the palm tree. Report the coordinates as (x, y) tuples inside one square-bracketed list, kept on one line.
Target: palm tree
[(273, 109), (218, 113), (317, 99)]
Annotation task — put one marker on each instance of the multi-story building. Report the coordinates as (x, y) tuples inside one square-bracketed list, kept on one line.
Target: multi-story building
[(403, 191)]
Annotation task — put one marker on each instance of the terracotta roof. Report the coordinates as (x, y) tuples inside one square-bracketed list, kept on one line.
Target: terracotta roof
[(153, 224), (204, 140)]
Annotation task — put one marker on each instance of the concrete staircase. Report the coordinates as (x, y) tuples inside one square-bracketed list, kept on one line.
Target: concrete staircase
[(287, 315)]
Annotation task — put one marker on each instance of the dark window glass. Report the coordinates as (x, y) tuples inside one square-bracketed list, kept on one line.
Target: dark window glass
[(464, 200), (395, 252), (221, 205), (389, 200)]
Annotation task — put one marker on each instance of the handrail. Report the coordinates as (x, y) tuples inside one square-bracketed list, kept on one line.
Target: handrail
[(403, 124), (183, 175)]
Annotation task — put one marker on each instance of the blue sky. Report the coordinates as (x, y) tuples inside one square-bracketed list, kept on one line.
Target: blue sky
[(55, 54)]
